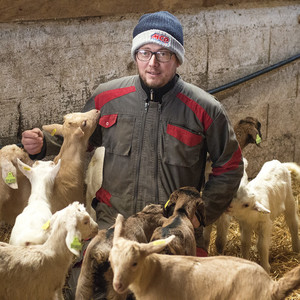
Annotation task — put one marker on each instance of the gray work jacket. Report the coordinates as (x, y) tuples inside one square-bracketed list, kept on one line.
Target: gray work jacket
[(152, 148)]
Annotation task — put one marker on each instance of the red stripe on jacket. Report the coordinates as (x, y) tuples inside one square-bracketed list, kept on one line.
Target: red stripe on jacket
[(107, 96), (188, 138), (103, 196), (232, 164), (198, 110)]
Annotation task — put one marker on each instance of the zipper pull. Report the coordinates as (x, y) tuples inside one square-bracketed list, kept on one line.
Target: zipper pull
[(146, 105), (151, 95)]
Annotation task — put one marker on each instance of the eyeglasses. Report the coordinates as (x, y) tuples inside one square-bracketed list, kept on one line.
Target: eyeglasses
[(161, 56)]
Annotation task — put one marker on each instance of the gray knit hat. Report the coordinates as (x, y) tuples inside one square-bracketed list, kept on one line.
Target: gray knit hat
[(161, 28)]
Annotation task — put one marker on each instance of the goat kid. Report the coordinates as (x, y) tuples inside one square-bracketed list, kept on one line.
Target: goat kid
[(38, 272), (96, 274), (259, 202), (69, 182), (15, 187), (183, 207), (138, 267), (28, 226)]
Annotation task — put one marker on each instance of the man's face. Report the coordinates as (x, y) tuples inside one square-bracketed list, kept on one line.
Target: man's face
[(156, 74)]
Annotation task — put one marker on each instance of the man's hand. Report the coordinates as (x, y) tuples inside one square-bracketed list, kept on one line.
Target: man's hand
[(32, 141)]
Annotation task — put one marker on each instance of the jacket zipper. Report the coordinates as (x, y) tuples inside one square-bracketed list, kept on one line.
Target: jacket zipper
[(140, 151), (157, 155)]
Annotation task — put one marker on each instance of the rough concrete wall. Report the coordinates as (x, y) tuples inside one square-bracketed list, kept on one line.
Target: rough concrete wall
[(50, 68), (32, 10)]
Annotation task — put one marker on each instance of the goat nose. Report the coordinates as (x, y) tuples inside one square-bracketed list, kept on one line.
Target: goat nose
[(118, 286)]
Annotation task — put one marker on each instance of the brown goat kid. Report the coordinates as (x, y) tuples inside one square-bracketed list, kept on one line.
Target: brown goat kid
[(69, 182), (150, 276), (96, 273), (247, 131), (183, 206)]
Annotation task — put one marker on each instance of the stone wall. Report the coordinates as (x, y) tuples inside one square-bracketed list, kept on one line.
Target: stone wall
[(51, 67)]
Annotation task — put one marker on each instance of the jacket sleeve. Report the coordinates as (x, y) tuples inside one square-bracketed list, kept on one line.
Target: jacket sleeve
[(227, 166)]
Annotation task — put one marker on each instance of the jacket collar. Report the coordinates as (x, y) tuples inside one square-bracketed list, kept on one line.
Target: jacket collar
[(157, 94)]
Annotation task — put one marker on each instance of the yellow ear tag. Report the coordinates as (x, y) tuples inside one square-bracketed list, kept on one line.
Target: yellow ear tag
[(167, 203), (76, 244), (159, 242), (258, 139), (53, 132), (10, 178), (26, 168), (46, 225)]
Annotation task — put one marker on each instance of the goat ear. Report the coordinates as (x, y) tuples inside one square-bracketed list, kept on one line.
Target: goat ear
[(118, 227), (156, 246), (25, 169), (54, 129), (79, 132), (260, 208), (73, 238), (9, 173), (56, 168)]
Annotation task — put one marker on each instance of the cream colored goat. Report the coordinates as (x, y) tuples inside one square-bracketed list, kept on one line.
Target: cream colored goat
[(182, 207), (259, 202), (28, 226), (38, 272), (150, 276), (96, 272), (15, 187), (69, 182)]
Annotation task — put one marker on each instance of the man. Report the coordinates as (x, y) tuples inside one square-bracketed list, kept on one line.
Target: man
[(157, 131)]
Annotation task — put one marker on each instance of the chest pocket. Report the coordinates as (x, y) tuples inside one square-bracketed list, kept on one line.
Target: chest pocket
[(182, 147), (117, 132)]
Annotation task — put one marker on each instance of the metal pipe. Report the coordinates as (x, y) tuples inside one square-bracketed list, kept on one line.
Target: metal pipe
[(253, 75)]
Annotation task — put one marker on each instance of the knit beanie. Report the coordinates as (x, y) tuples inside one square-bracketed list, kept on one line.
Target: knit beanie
[(161, 28)]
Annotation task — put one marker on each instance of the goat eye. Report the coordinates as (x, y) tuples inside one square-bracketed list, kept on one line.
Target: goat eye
[(134, 264), (84, 123), (246, 205), (86, 221)]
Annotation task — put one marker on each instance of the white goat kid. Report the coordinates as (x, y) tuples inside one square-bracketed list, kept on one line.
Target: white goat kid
[(28, 226), (38, 272), (167, 277), (259, 202)]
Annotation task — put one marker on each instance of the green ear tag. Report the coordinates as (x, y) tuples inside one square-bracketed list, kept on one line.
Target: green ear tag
[(76, 244), (258, 139), (159, 242), (10, 178)]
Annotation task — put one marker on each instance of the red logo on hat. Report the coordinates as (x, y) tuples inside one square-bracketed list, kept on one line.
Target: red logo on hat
[(160, 37)]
